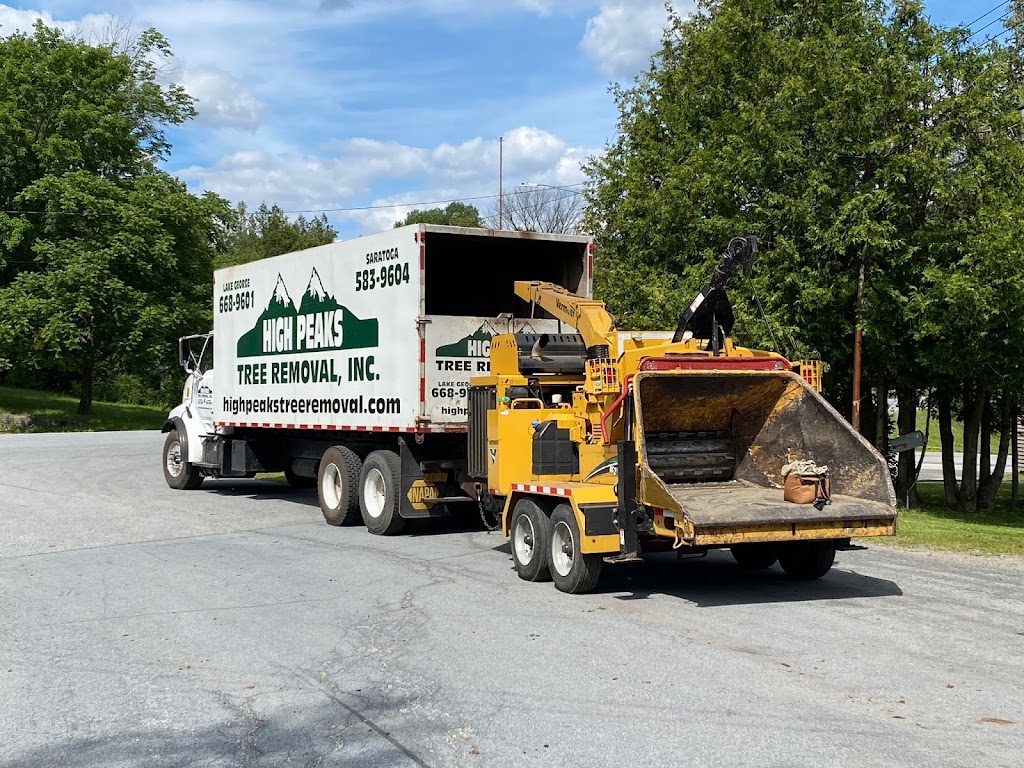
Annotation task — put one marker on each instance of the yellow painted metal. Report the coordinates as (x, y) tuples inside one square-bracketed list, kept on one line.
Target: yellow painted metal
[(803, 532), (573, 494), (420, 492)]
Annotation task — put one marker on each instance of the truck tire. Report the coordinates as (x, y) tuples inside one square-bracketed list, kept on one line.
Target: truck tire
[(379, 484), (179, 473), (531, 541), (755, 557), (807, 559), (297, 481), (571, 570), (337, 485)]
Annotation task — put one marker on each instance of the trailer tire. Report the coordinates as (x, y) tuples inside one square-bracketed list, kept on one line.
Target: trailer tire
[(337, 484), (298, 481), (571, 570), (531, 541), (179, 473), (755, 557), (379, 484), (807, 560)]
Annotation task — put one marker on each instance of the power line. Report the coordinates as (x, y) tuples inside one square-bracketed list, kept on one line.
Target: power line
[(323, 210), (987, 13)]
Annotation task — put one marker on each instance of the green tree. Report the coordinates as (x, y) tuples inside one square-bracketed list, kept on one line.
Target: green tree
[(107, 259), (269, 232), (453, 214), (855, 138)]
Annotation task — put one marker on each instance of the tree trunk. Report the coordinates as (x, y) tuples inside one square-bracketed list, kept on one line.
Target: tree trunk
[(985, 444), (945, 403), (990, 485), (1015, 464), (85, 383), (974, 407), (906, 421), (868, 417), (882, 415)]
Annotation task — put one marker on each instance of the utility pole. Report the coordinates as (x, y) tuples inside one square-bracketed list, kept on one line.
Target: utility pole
[(858, 343), (501, 174)]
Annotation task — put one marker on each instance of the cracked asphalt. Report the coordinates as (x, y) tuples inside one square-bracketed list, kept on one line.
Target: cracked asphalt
[(230, 626)]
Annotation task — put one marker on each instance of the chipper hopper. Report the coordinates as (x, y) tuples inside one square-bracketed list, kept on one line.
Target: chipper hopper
[(713, 446)]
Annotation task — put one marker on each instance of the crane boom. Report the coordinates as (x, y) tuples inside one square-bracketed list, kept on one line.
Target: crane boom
[(587, 316)]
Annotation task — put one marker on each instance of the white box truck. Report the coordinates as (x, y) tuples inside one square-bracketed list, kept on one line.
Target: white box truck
[(347, 366)]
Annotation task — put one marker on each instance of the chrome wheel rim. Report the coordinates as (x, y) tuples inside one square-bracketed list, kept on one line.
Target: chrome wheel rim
[(523, 539), (330, 487), (174, 463), (374, 493), (562, 549)]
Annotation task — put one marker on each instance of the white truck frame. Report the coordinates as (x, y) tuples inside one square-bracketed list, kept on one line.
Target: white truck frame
[(360, 386)]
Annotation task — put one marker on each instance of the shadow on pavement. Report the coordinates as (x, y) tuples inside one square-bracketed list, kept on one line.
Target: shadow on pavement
[(716, 580), (334, 733), (260, 489)]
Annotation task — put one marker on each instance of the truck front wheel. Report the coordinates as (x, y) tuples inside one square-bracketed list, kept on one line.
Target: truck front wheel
[(531, 540), (571, 570), (336, 485), (807, 559), (378, 493), (179, 473)]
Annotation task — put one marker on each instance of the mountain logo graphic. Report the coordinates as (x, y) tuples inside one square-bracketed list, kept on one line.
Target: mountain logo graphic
[(477, 344), (320, 323)]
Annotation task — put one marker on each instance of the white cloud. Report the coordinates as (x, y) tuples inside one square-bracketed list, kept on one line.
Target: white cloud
[(364, 173), (222, 99), (14, 20), (624, 34)]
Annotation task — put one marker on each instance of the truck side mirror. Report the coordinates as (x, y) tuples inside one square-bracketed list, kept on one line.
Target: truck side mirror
[(185, 356)]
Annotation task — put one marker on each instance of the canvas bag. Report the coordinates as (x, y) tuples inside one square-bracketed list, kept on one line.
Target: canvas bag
[(806, 483)]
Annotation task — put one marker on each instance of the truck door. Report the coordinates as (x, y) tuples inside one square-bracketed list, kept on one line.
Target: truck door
[(204, 391)]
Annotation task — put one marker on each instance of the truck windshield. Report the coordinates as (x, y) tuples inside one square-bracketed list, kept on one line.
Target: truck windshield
[(206, 358)]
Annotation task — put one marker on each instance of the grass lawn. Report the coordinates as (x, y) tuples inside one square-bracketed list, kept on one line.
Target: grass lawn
[(1000, 532), (935, 442), (56, 413)]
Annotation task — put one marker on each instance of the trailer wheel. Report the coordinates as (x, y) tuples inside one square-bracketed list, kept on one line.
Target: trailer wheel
[(297, 481), (531, 541), (336, 485), (179, 473), (571, 570), (755, 557), (807, 559), (378, 493)]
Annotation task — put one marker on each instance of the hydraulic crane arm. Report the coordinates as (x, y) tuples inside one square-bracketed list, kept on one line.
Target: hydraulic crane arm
[(588, 317), (738, 255)]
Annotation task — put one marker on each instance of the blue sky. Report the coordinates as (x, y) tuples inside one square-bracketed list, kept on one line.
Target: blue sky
[(376, 106)]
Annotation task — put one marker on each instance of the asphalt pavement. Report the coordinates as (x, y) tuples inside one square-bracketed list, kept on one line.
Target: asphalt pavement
[(230, 626)]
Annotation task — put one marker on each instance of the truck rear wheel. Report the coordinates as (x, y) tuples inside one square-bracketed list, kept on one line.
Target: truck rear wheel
[(179, 473), (379, 485), (336, 485), (755, 557), (571, 570), (531, 541), (807, 559)]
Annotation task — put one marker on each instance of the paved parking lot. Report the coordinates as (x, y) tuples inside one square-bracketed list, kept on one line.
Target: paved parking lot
[(231, 627)]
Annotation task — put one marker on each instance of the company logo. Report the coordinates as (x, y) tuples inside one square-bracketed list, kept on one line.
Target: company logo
[(320, 323), (477, 344)]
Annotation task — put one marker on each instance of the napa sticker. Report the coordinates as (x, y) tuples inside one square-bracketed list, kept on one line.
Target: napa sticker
[(319, 323)]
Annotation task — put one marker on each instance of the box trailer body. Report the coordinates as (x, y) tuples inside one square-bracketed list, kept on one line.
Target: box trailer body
[(365, 345)]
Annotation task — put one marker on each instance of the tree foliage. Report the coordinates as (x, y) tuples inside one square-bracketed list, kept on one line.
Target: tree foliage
[(269, 232), (453, 214), (848, 135), (104, 258)]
